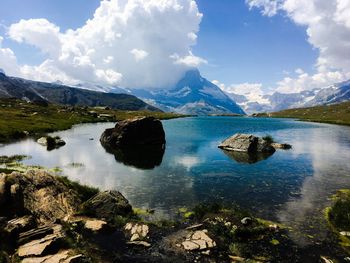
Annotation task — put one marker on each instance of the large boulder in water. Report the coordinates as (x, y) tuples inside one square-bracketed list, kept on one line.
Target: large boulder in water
[(140, 131), (138, 142), (247, 143)]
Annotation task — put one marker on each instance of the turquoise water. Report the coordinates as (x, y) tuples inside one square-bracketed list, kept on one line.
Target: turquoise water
[(292, 187)]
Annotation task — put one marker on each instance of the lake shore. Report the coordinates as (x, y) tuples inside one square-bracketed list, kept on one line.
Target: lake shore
[(21, 119), (52, 217)]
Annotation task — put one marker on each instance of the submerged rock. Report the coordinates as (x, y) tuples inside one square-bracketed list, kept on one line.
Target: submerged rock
[(247, 143)]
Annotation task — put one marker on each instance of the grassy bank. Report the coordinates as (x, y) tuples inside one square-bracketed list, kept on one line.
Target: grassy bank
[(335, 114), (20, 119)]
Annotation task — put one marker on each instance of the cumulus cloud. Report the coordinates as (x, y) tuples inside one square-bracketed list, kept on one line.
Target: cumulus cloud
[(134, 43), (252, 91), (328, 28), (8, 60)]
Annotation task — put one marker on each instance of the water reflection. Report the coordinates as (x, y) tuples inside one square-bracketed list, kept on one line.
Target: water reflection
[(245, 157), (141, 157)]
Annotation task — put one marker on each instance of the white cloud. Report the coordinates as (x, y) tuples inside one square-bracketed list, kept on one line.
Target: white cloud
[(268, 7), (252, 91), (328, 28), (139, 54), (103, 50), (8, 60), (305, 81)]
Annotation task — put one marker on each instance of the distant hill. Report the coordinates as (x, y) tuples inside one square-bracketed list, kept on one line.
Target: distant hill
[(193, 94), (334, 113), (11, 87)]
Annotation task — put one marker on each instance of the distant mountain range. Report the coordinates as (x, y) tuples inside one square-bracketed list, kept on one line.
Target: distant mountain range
[(336, 93), (11, 87), (193, 94)]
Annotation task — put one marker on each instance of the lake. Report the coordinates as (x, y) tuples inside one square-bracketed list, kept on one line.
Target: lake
[(292, 187)]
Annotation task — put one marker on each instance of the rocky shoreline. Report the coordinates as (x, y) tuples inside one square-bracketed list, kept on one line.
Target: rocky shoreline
[(45, 218)]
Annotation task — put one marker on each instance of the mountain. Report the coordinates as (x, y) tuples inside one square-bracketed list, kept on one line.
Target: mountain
[(11, 87), (193, 94), (336, 93)]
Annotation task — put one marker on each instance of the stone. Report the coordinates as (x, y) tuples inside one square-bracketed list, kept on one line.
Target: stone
[(134, 132), (63, 256), (199, 240), (246, 143), (246, 221), (95, 225), (107, 205), (139, 243), (194, 227), (19, 225), (138, 142), (237, 259), (345, 233), (137, 231), (40, 232), (40, 247), (39, 194), (51, 142), (283, 146), (189, 245)]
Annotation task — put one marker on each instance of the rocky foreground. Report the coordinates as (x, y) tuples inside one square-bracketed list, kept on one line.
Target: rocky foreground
[(45, 218)]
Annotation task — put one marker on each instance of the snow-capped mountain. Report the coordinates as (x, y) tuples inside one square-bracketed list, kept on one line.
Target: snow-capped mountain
[(193, 94), (279, 101)]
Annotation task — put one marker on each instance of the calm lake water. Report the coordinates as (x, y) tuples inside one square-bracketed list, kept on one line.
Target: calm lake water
[(292, 187)]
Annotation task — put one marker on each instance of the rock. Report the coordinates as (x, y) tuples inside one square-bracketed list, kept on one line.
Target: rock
[(95, 225), (39, 233), (199, 240), (194, 227), (246, 143), (136, 132), (326, 260), (345, 233), (246, 221), (283, 146), (3, 190), (51, 142), (19, 225), (40, 247), (107, 205), (139, 243), (40, 194), (137, 231), (63, 256), (237, 259)]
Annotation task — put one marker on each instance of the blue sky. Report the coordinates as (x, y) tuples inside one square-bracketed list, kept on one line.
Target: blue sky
[(239, 44)]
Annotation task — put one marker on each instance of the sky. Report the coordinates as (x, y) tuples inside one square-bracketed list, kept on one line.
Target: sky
[(249, 47)]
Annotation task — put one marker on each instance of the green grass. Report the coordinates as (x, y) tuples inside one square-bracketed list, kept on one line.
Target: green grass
[(335, 114), (85, 192), (19, 118)]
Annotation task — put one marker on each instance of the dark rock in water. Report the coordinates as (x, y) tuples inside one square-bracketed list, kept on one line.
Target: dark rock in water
[(140, 131), (246, 157), (247, 143), (138, 142), (51, 142), (106, 205)]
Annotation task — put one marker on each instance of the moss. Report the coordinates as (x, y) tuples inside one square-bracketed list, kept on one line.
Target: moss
[(14, 158), (85, 192), (268, 138), (274, 242), (339, 213)]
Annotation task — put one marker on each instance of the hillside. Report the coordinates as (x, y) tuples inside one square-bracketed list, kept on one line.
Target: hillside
[(20, 119), (11, 87), (335, 113)]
